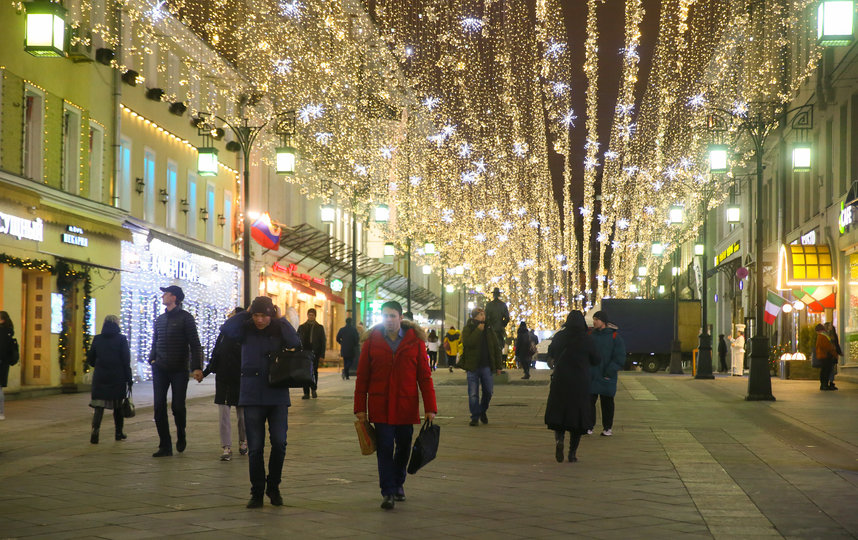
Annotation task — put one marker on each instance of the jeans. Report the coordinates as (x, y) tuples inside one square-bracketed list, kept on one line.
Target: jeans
[(255, 417), (314, 386), (226, 425), (393, 448), (482, 376), (433, 359), (825, 372), (161, 381), (607, 410), (347, 365)]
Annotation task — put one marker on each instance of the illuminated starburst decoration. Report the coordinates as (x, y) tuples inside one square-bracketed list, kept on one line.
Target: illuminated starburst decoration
[(464, 150), (438, 139), (627, 131), (560, 257), (415, 180), (323, 137), (555, 49), (157, 13), (480, 165), (491, 252), (361, 170), (507, 226), (697, 101), (393, 186), (559, 88), (611, 155), (502, 238), (480, 237), (631, 169), (293, 9), (448, 130), (602, 218), (469, 177), (387, 151), (585, 210), (494, 213), (519, 149), (447, 215), (740, 108), (657, 185), (521, 211), (480, 214), (699, 178), (685, 163), (626, 109), (623, 223), (671, 173), (471, 24), (283, 66), (409, 51), (569, 118), (431, 102), (591, 144), (649, 210), (591, 163), (533, 224), (310, 112), (615, 244), (630, 54)]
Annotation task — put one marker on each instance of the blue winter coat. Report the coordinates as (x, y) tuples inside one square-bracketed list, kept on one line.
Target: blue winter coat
[(255, 346), (110, 356), (612, 354)]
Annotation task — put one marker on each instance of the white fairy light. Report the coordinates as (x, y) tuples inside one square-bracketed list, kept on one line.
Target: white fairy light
[(323, 137), (471, 24), (283, 66), (293, 9)]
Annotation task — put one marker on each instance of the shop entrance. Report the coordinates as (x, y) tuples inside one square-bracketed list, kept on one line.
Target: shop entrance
[(35, 335)]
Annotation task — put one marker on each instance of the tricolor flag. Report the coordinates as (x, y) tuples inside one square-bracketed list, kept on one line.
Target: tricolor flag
[(266, 233), (774, 303)]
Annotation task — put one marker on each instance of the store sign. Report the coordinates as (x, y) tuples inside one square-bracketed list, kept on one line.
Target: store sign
[(733, 248), (290, 270), (847, 217), (175, 268), (809, 239), (22, 228), (73, 236), (336, 285)]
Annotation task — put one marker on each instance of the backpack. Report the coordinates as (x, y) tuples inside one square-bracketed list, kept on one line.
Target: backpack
[(14, 352)]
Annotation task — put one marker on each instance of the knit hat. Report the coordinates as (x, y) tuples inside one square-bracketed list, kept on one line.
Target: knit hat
[(602, 316), (263, 305)]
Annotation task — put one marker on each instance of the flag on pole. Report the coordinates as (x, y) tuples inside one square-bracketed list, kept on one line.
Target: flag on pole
[(265, 233), (774, 303)]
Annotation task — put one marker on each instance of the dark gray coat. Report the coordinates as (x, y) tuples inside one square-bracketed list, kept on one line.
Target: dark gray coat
[(6, 335), (575, 352), (175, 342), (226, 363), (110, 356)]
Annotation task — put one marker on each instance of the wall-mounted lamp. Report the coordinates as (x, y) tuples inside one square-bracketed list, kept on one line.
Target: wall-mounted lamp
[(165, 197), (140, 186), (204, 214), (186, 206), (221, 220)]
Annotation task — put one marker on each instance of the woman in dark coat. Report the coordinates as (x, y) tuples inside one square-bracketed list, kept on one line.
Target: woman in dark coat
[(226, 363), (110, 356), (522, 349), (8, 356), (722, 354), (568, 406)]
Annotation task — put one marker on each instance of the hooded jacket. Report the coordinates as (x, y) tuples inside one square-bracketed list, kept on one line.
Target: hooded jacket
[(110, 355), (387, 382), (453, 343), (612, 354)]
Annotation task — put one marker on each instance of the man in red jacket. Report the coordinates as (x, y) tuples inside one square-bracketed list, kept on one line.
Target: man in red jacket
[(393, 363)]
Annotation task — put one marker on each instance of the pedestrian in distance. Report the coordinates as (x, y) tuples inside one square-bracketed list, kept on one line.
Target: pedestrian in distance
[(722, 354), (175, 352), (110, 355), (393, 365), (349, 341), (524, 349), (831, 332), (8, 356), (568, 407), (260, 333), (452, 347), (826, 354), (480, 359), (313, 339), (432, 346), (497, 317), (603, 377), (225, 363)]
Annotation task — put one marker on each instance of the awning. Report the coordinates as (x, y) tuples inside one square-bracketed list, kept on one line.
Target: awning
[(301, 287), (802, 265)]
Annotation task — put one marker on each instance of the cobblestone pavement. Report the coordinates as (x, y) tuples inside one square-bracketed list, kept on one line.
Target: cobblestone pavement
[(689, 458)]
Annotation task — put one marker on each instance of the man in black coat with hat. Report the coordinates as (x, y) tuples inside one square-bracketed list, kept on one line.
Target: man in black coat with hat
[(497, 317)]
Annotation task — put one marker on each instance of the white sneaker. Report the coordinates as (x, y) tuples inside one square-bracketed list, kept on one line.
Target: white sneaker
[(589, 432), (227, 454), (607, 433)]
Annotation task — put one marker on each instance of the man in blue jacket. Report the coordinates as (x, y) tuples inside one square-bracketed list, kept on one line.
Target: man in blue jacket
[(175, 352), (261, 332), (603, 377)]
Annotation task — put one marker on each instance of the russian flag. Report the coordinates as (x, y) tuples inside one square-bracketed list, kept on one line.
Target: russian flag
[(266, 233)]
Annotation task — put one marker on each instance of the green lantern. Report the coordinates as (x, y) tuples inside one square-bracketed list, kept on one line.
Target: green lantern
[(834, 22), (46, 29), (286, 160), (717, 158), (207, 161), (801, 157)]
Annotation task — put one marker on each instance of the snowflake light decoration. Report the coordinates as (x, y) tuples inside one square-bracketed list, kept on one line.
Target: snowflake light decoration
[(471, 24), (448, 130), (697, 101), (626, 109), (559, 88), (310, 112), (469, 177), (438, 139), (502, 238), (585, 210), (480, 165), (519, 149), (630, 54), (360, 170), (431, 102), (533, 224), (520, 211), (480, 237), (615, 244), (323, 137), (602, 218), (657, 185), (611, 155), (649, 210), (157, 13), (491, 252), (569, 118), (464, 150), (591, 163), (480, 214), (740, 108), (447, 215), (415, 180), (283, 66), (387, 151), (555, 49), (623, 223), (507, 226), (293, 9)]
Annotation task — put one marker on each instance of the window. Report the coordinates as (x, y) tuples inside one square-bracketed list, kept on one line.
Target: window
[(71, 150), (149, 185), (122, 196), (96, 162), (227, 214), (172, 174), (150, 66), (193, 211), (34, 117), (210, 206)]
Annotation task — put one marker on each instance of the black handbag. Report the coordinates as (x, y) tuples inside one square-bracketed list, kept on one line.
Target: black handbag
[(128, 410), (425, 446), (288, 368)]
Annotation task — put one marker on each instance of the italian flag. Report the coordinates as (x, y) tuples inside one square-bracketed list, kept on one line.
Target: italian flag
[(774, 303)]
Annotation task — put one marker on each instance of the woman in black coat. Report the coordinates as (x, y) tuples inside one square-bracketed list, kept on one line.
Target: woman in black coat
[(8, 356), (110, 356), (226, 362), (722, 354), (522, 349), (568, 407)]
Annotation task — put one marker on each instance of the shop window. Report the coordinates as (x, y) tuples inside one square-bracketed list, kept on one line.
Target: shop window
[(193, 211), (34, 119), (210, 206), (122, 195), (172, 174), (849, 341), (149, 185), (96, 162)]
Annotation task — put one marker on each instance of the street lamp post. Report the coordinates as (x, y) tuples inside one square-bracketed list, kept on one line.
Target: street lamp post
[(676, 217), (704, 345), (758, 126)]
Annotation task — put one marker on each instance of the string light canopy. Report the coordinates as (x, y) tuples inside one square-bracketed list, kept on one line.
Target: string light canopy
[(45, 35)]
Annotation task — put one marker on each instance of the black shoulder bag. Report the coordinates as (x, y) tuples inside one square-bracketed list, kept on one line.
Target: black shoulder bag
[(290, 368)]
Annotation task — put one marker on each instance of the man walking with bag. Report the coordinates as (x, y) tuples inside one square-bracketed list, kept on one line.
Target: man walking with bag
[(176, 350), (393, 364), (313, 339)]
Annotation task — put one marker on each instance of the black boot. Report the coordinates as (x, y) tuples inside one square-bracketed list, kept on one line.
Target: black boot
[(96, 424), (119, 421), (558, 446)]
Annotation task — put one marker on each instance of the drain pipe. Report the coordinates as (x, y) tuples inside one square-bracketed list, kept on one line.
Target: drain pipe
[(115, 186)]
